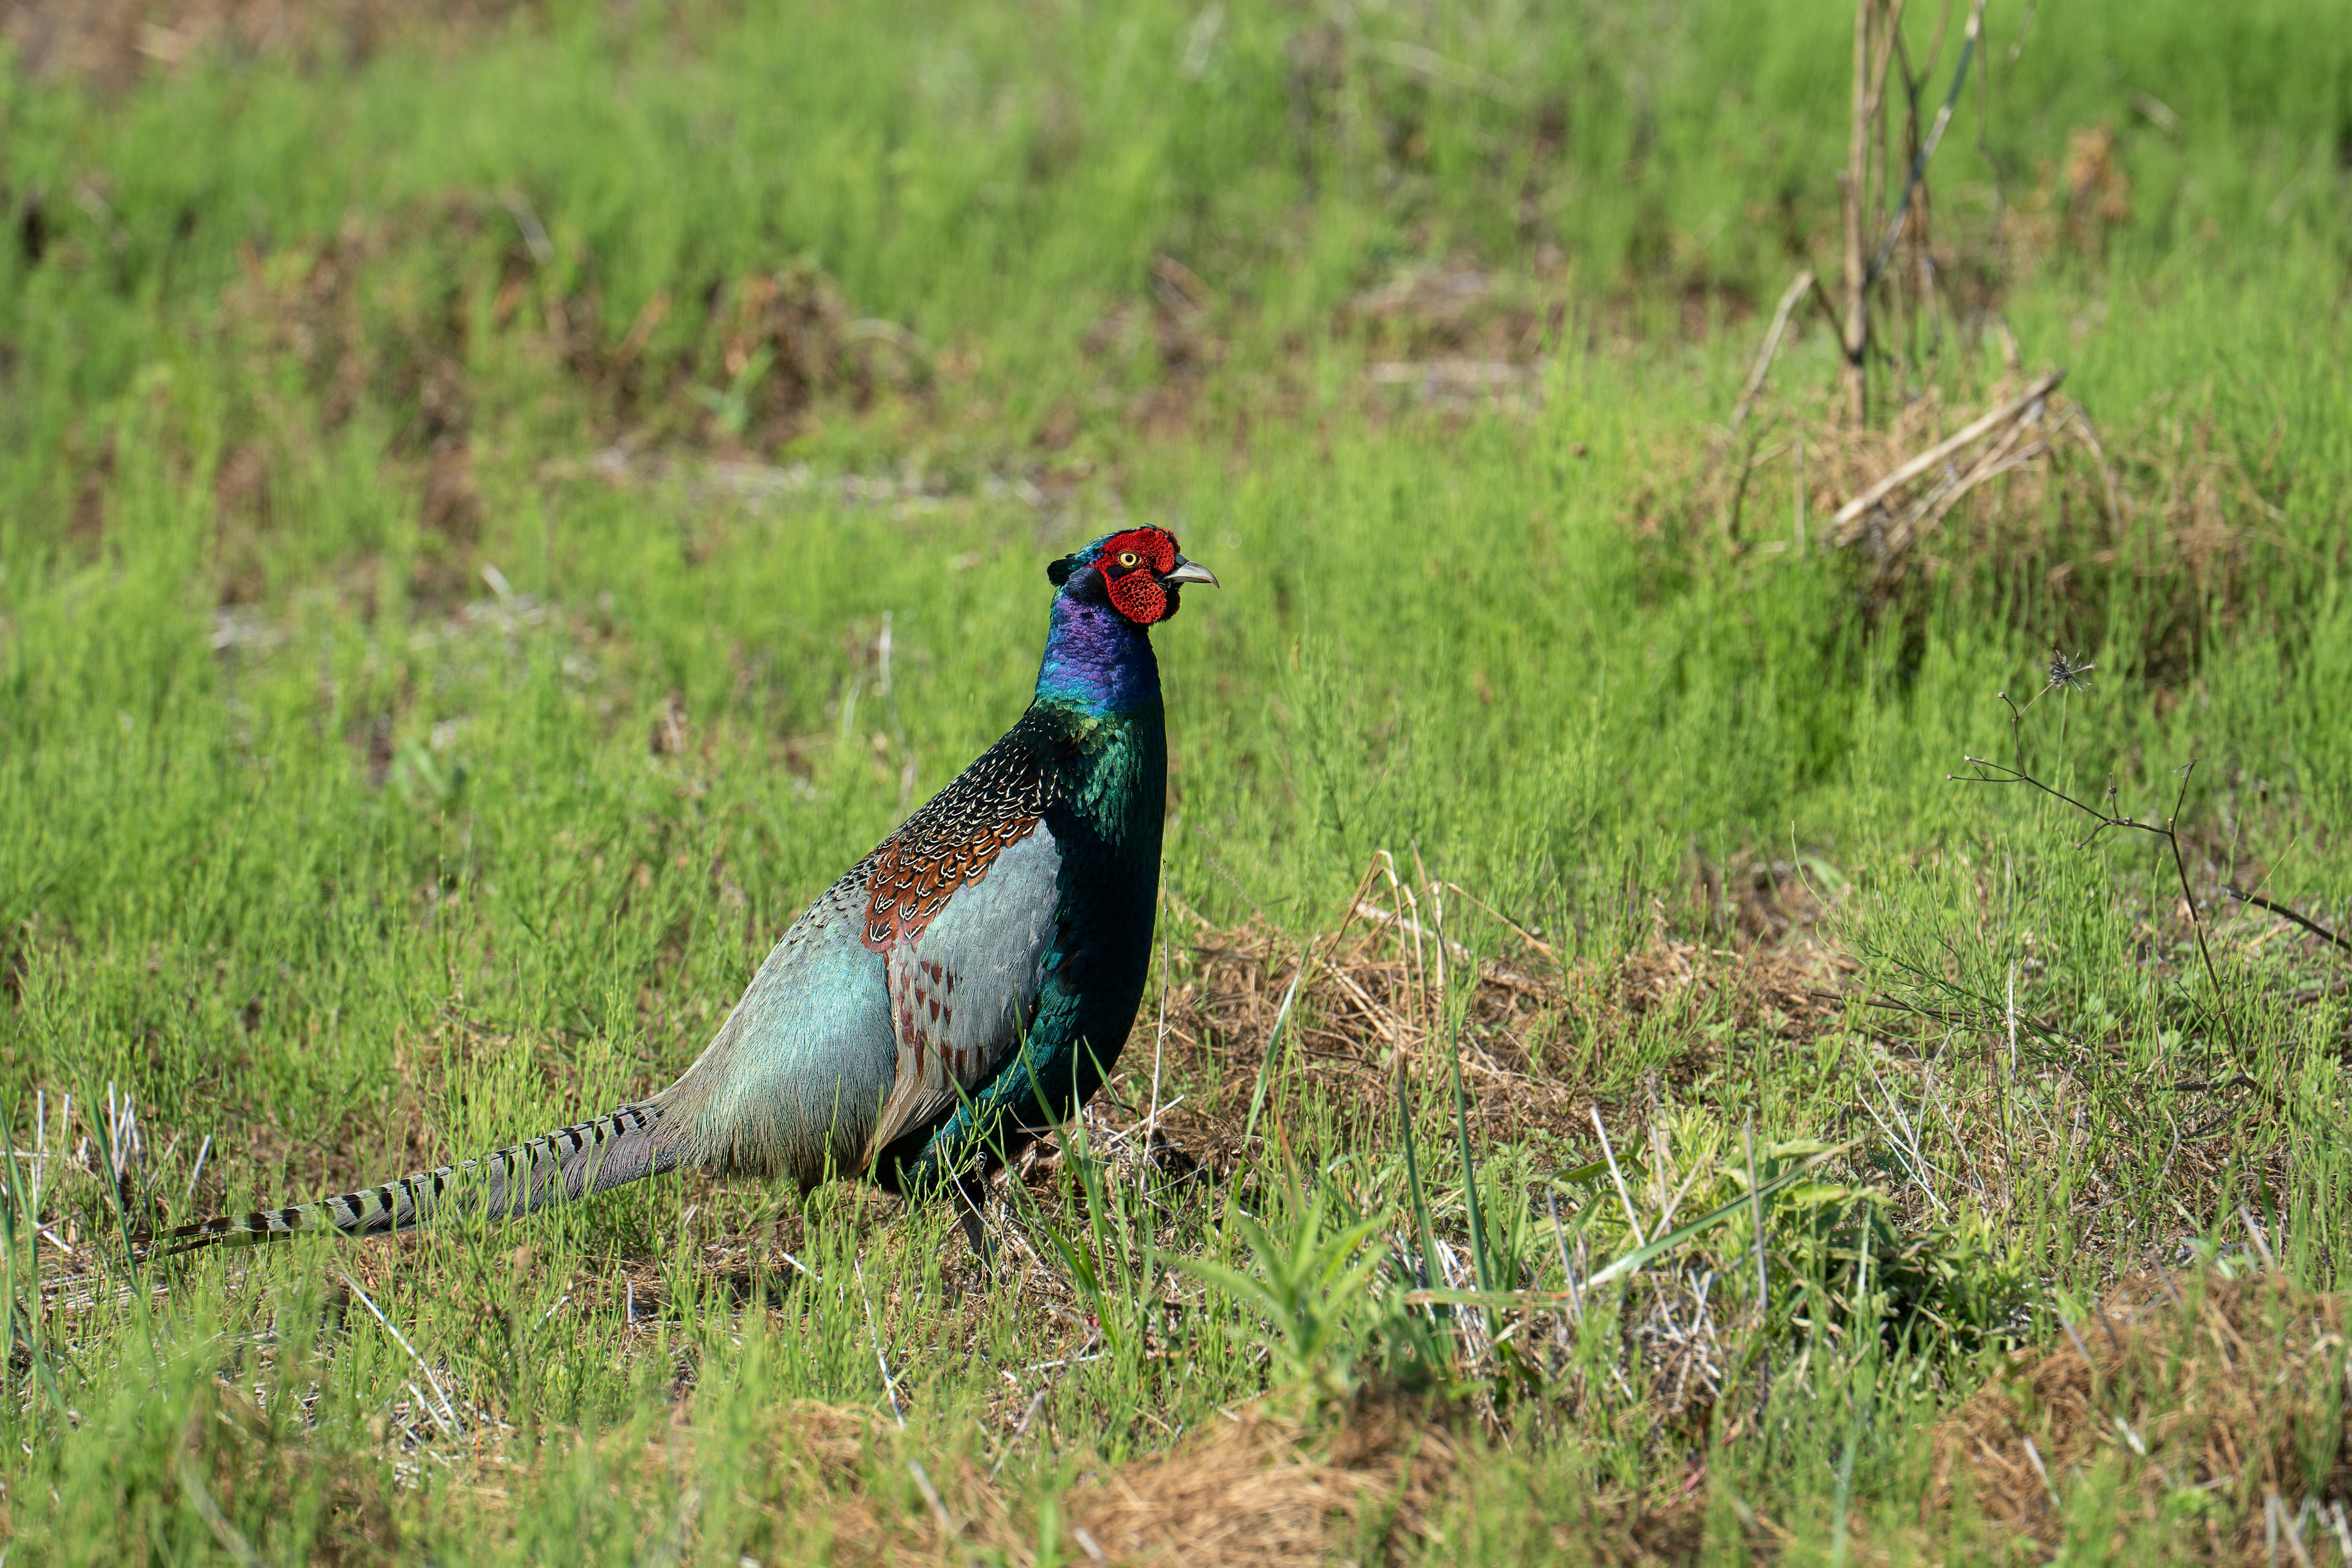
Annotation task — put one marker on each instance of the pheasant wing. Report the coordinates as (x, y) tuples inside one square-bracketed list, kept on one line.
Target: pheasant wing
[(963, 910)]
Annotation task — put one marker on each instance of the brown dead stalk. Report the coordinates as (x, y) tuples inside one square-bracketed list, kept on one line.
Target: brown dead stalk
[(1867, 186)]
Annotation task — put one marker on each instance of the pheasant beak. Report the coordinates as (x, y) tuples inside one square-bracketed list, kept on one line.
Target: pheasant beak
[(1190, 572)]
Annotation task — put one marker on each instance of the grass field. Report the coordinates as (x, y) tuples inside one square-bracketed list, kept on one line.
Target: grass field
[(497, 510)]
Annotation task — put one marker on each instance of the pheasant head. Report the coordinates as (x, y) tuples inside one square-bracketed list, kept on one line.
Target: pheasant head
[(1137, 571), (1098, 648)]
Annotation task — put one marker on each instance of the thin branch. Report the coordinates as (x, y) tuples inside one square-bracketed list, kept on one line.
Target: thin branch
[(1789, 301), (2188, 896), (1854, 182), (446, 1416), (1992, 773), (1975, 31), (2313, 926), (889, 1383)]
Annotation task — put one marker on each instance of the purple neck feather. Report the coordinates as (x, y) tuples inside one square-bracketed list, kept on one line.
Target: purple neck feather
[(1096, 659)]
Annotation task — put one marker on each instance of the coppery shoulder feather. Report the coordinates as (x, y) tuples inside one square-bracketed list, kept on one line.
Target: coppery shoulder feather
[(952, 842)]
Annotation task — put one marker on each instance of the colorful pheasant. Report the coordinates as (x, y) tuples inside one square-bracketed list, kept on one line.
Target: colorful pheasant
[(966, 984)]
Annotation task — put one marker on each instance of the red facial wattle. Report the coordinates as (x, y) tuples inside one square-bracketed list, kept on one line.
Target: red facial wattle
[(1138, 597)]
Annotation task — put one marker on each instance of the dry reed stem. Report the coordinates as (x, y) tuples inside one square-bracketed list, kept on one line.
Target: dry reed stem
[(1852, 190)]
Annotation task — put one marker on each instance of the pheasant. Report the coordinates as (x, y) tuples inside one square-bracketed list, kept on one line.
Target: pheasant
[(963, 987)]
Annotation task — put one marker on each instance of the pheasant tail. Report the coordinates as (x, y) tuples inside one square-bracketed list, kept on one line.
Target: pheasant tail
[(554, 1168)]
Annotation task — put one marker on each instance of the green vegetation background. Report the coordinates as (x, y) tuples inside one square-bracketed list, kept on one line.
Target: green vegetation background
[(329, 823)]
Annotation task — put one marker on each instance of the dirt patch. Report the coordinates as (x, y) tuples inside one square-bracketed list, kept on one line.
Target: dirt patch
[(113, 43), (2209, 1409), (1454, 334)]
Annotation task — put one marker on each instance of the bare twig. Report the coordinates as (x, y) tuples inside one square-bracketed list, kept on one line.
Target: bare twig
[(1035, 1402), (2261, 1243), (1998, 458), (1567, 1269), (2084, 432), (889, 1383), (446, 1416), (2313, 926), (1852, 190), (931, 1495), (1756, 1211), (199, 1498), (1158, 1048), (1522, 933), (1632, 1219), (1789, 301), (202, 1150), (1993, 773), (2041, 1471)]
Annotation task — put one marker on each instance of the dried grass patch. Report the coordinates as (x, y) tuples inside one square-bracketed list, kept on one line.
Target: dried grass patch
[(1536, 1032), (2212, 1409), (1386, 1486), (2158, 517), (378, 309), (1260, 1489), (1252, 1488), (2165, 513)]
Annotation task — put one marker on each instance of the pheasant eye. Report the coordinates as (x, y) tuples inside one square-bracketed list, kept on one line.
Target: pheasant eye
[(1129, 558)]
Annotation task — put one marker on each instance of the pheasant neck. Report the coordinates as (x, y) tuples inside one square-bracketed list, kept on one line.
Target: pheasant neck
[(1097, 661)]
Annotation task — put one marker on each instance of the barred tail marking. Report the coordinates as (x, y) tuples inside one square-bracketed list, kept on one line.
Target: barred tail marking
[(554, 1168)]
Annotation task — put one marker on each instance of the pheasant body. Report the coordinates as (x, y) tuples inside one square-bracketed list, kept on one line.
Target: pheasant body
[(966, 984), (1001, 936)]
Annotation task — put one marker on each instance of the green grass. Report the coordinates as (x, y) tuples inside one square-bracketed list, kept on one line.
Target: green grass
[(329, 827)]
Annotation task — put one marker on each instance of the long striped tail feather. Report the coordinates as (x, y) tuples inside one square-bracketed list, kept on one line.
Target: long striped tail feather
[(557, 1167)]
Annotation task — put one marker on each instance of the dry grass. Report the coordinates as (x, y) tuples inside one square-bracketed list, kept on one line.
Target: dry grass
[(1259, 1487), (2161, 523), (1258, 1490), (1537, 1037), (377, 310), (1255, 1490), (1534, 1031), (2226, 1396), (376, 318), (2207, 1408)]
